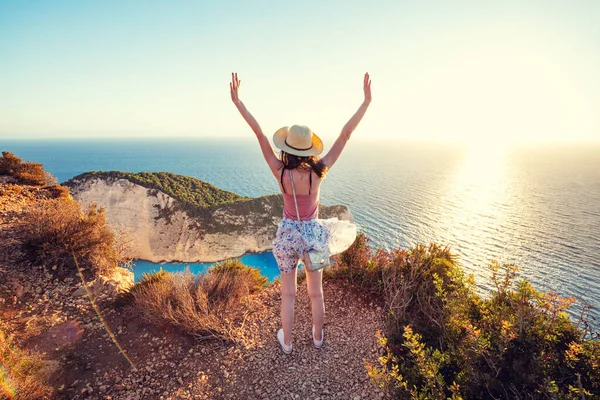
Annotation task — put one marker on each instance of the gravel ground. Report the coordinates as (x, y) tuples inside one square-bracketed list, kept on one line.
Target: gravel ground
[(336, 371)]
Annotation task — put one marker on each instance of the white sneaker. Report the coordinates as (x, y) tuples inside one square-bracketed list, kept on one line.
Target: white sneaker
[(318, 343), (286, 349)]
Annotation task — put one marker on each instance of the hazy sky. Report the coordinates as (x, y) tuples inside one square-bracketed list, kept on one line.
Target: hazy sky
[(511, 71)]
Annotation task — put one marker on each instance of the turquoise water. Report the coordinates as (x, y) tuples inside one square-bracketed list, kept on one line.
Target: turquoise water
[(537, 207), (265, 262)]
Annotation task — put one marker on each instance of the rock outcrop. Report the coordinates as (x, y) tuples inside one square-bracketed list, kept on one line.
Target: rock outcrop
[(159, 228)]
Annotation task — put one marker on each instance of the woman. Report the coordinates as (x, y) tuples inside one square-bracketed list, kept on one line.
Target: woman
[(299, 173)]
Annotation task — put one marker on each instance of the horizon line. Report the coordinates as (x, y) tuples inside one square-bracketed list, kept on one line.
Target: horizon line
[(252, 138)]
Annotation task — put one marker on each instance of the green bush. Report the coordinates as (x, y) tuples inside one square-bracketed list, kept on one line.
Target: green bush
[(443, 341), (192, 193), (360, 265)]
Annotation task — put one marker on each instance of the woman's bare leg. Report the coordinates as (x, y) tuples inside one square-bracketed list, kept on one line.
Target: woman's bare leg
[(314, 284), (288, 295)]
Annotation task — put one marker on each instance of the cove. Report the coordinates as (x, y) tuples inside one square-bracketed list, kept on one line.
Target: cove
[(265, 262)]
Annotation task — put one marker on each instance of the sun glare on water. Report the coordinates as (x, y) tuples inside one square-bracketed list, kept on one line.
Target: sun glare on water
[(482, 168), (478, 188)]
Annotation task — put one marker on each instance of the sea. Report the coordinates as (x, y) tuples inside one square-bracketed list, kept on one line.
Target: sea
[(537, 207)]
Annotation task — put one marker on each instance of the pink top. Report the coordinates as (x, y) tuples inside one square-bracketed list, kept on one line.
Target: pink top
[(308, 204)]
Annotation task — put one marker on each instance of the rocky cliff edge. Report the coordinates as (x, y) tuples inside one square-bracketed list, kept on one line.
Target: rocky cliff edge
[(159, 227)]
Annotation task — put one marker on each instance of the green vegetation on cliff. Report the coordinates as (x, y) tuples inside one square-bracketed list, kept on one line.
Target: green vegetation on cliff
[(198, 199), (192, 193)]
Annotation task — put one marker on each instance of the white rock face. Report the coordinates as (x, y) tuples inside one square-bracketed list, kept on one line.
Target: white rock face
[(158, 231)]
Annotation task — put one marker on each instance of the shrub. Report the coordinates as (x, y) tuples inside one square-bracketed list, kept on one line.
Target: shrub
[(230, 281), (8, 163), (50, 180), (359, 265), (59, 233), (443, 341), (26, 172), (59, 191), (30, 173), (23, 374), (205, 306)]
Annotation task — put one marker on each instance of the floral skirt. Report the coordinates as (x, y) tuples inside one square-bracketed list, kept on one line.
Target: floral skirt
[(289, 244)]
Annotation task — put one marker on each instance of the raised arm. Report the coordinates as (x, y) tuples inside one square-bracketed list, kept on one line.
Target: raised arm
[(272, 160), (338, 146)]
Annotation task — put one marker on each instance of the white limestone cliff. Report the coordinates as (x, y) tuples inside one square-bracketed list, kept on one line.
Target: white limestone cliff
[(158, 230)]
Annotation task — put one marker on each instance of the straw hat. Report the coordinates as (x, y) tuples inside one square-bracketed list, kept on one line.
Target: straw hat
[(298, 140)]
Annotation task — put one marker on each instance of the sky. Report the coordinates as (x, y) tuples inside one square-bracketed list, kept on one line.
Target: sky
[(444, 71)]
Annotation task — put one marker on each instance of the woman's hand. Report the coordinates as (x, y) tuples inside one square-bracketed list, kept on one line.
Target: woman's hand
[(366, 88), (338, 146), (265, 145), (234, 87)]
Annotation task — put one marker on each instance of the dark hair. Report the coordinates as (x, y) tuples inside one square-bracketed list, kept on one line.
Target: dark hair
[(291, 161)]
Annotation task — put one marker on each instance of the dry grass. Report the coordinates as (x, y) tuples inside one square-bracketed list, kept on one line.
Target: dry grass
[(25, 172), (23, 375), (210, 306), (31, 173), (58, 230), (230, 282), (59, 191), (8, 163)]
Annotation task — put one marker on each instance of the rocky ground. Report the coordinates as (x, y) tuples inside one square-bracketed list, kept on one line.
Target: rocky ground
[(98, 351)]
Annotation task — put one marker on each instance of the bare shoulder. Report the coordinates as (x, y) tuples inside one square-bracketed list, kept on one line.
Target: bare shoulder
[(316, 176), (276, 167)]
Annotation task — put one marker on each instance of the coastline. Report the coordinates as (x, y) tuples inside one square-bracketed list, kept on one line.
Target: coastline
[(432, 194)]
